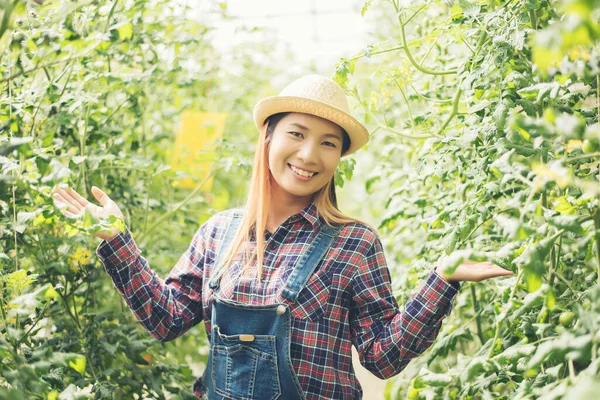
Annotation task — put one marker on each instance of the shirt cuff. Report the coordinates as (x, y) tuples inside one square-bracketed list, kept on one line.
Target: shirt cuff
[(438, 295), (118, 251), (454, 284)]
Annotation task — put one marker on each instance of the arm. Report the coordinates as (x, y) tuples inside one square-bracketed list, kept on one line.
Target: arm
[(166, 309), (387, 339)]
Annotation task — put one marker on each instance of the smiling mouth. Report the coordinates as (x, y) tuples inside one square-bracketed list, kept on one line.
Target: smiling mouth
[(301, 172)]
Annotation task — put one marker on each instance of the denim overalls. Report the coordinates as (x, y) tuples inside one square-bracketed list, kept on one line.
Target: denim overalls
[(249, 356)]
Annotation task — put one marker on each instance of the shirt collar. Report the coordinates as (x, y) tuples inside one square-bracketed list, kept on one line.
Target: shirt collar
[(310, 214)]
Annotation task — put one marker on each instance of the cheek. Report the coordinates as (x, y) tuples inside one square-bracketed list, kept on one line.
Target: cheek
[(275, 152), (331, 166)]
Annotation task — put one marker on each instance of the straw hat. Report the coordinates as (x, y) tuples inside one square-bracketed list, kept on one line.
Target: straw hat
[(315, 95)]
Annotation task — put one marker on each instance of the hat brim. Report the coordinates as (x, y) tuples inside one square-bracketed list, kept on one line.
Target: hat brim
[(268, 106)]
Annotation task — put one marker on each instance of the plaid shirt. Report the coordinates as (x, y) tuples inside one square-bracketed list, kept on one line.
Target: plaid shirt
[(348, 300)]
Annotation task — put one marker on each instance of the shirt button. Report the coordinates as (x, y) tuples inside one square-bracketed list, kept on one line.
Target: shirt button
[(281, 309)]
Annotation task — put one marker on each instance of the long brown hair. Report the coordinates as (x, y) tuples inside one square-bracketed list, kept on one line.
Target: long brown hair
[(259, 197)]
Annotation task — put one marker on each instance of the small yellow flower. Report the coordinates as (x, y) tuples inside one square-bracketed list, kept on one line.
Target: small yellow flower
[(80, 257)]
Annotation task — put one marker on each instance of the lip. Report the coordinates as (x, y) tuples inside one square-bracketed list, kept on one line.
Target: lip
[(300, 177)]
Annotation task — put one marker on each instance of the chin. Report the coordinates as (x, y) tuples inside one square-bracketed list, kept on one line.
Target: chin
[(294, 190), (298, 193)]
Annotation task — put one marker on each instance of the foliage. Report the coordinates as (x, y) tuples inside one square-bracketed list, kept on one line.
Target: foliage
[(90, 94), (485, 125)]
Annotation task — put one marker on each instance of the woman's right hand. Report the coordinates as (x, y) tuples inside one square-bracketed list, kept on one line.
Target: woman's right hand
[(74, 206)]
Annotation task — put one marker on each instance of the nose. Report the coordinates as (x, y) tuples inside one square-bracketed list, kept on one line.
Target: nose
[(308, 153)]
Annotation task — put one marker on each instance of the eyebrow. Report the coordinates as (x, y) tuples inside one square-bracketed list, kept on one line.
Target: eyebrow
[(300, 126)]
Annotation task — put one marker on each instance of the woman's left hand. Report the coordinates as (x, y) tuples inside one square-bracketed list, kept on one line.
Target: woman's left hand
[(475, 271)]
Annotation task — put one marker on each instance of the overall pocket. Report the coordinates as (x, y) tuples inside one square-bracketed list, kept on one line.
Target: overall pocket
[(244, 370)]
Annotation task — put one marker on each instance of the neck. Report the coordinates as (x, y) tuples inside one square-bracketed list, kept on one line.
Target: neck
[(283, 205)]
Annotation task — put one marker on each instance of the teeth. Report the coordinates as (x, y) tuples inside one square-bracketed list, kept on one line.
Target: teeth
[(303, 173)]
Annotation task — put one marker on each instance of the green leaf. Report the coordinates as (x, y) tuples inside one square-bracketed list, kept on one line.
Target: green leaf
[(476, 366), (51, 293), (554, 351), (79, 364), (125, 31), (365, 7), (585, 388), (514, 353), (533, 261), (564, 207), (342, 69), (469, 9), (446, 344), (14, 143), (428, 378), (567, 222), (456, 11)]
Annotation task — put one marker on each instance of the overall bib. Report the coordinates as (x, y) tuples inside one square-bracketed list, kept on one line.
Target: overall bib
[(249, 356)]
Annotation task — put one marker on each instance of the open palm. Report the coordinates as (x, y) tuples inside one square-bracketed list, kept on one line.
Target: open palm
[(73, 205), (475, 271)]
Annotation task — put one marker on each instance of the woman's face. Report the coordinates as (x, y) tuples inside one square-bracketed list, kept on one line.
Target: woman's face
[(308, 143)]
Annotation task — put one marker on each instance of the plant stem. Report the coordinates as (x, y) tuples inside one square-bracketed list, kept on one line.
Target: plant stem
[(486, 220), (184, 202), (66, 304), (438, 101), (533, 19), (148, 183), (453, 113), (33, 325), (384, 126), (415, 13), (375, 53), (397, 132), (499, 324), (557, 261), (6, 17), (409, 55), (566, 282), (582, 157), (477, 318), (571, 370), (38, 66), (4, 317), (110, 14), (412, 121), (597, 226), (15, 227)]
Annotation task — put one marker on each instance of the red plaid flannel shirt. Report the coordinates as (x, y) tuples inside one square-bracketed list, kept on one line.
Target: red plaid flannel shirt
[(348, 300)]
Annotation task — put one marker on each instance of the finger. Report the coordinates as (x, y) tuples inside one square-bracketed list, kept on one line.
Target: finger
[(83, 202), (68, 196), (502, 273), (71, 215), (63, 204), (100, 195)]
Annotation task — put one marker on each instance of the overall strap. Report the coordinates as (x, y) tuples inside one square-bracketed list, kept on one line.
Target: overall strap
[(308, 263), (223, 248)]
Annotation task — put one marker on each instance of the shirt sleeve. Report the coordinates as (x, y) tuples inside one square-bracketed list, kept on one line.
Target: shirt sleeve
[(168, 308), (385, 338)]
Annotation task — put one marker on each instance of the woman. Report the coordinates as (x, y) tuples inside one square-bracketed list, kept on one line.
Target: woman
[(286, 284)]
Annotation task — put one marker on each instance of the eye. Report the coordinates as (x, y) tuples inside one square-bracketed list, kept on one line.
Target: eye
[(330, 144), (295, 134)]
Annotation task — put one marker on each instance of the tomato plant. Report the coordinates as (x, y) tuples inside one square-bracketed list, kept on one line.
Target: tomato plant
[(485, 134), (90, 94)]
